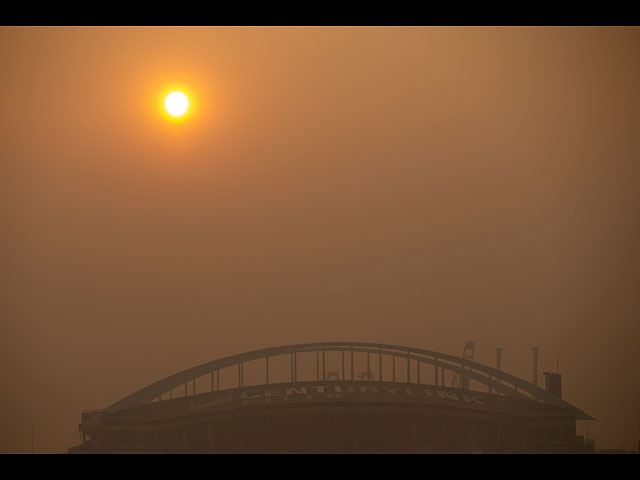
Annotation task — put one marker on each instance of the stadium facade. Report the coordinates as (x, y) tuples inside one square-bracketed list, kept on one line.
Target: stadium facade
[(397, 403)]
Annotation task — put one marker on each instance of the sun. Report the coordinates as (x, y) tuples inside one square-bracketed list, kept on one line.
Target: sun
[(176, 104)]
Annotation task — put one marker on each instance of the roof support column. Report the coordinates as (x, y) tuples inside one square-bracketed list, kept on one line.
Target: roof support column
[(352, 362), (291, 367), (368, 366), (393, 366)]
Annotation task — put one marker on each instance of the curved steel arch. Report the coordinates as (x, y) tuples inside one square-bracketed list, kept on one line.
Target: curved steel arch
[(496, 380)]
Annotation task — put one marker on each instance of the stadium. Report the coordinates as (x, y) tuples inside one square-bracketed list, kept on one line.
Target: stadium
[(338, 397)]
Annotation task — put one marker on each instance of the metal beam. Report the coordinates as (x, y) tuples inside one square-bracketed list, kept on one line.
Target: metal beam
[(393, 366), (351, 362), (408, 367), (368, 364), (324, 376)]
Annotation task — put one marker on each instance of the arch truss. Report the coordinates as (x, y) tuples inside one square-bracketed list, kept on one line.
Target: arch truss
[(408, 360)]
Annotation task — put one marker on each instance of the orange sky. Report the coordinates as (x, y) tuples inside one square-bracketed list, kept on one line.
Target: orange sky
[(416, 186)]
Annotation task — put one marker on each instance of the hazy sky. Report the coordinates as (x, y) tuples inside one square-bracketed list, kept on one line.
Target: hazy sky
[(415, 186)]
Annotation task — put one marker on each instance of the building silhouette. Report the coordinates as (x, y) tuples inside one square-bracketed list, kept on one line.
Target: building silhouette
[(398, 404)]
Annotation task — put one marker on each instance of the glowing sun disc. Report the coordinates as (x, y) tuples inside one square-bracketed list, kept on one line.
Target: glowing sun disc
[(176, 104)]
